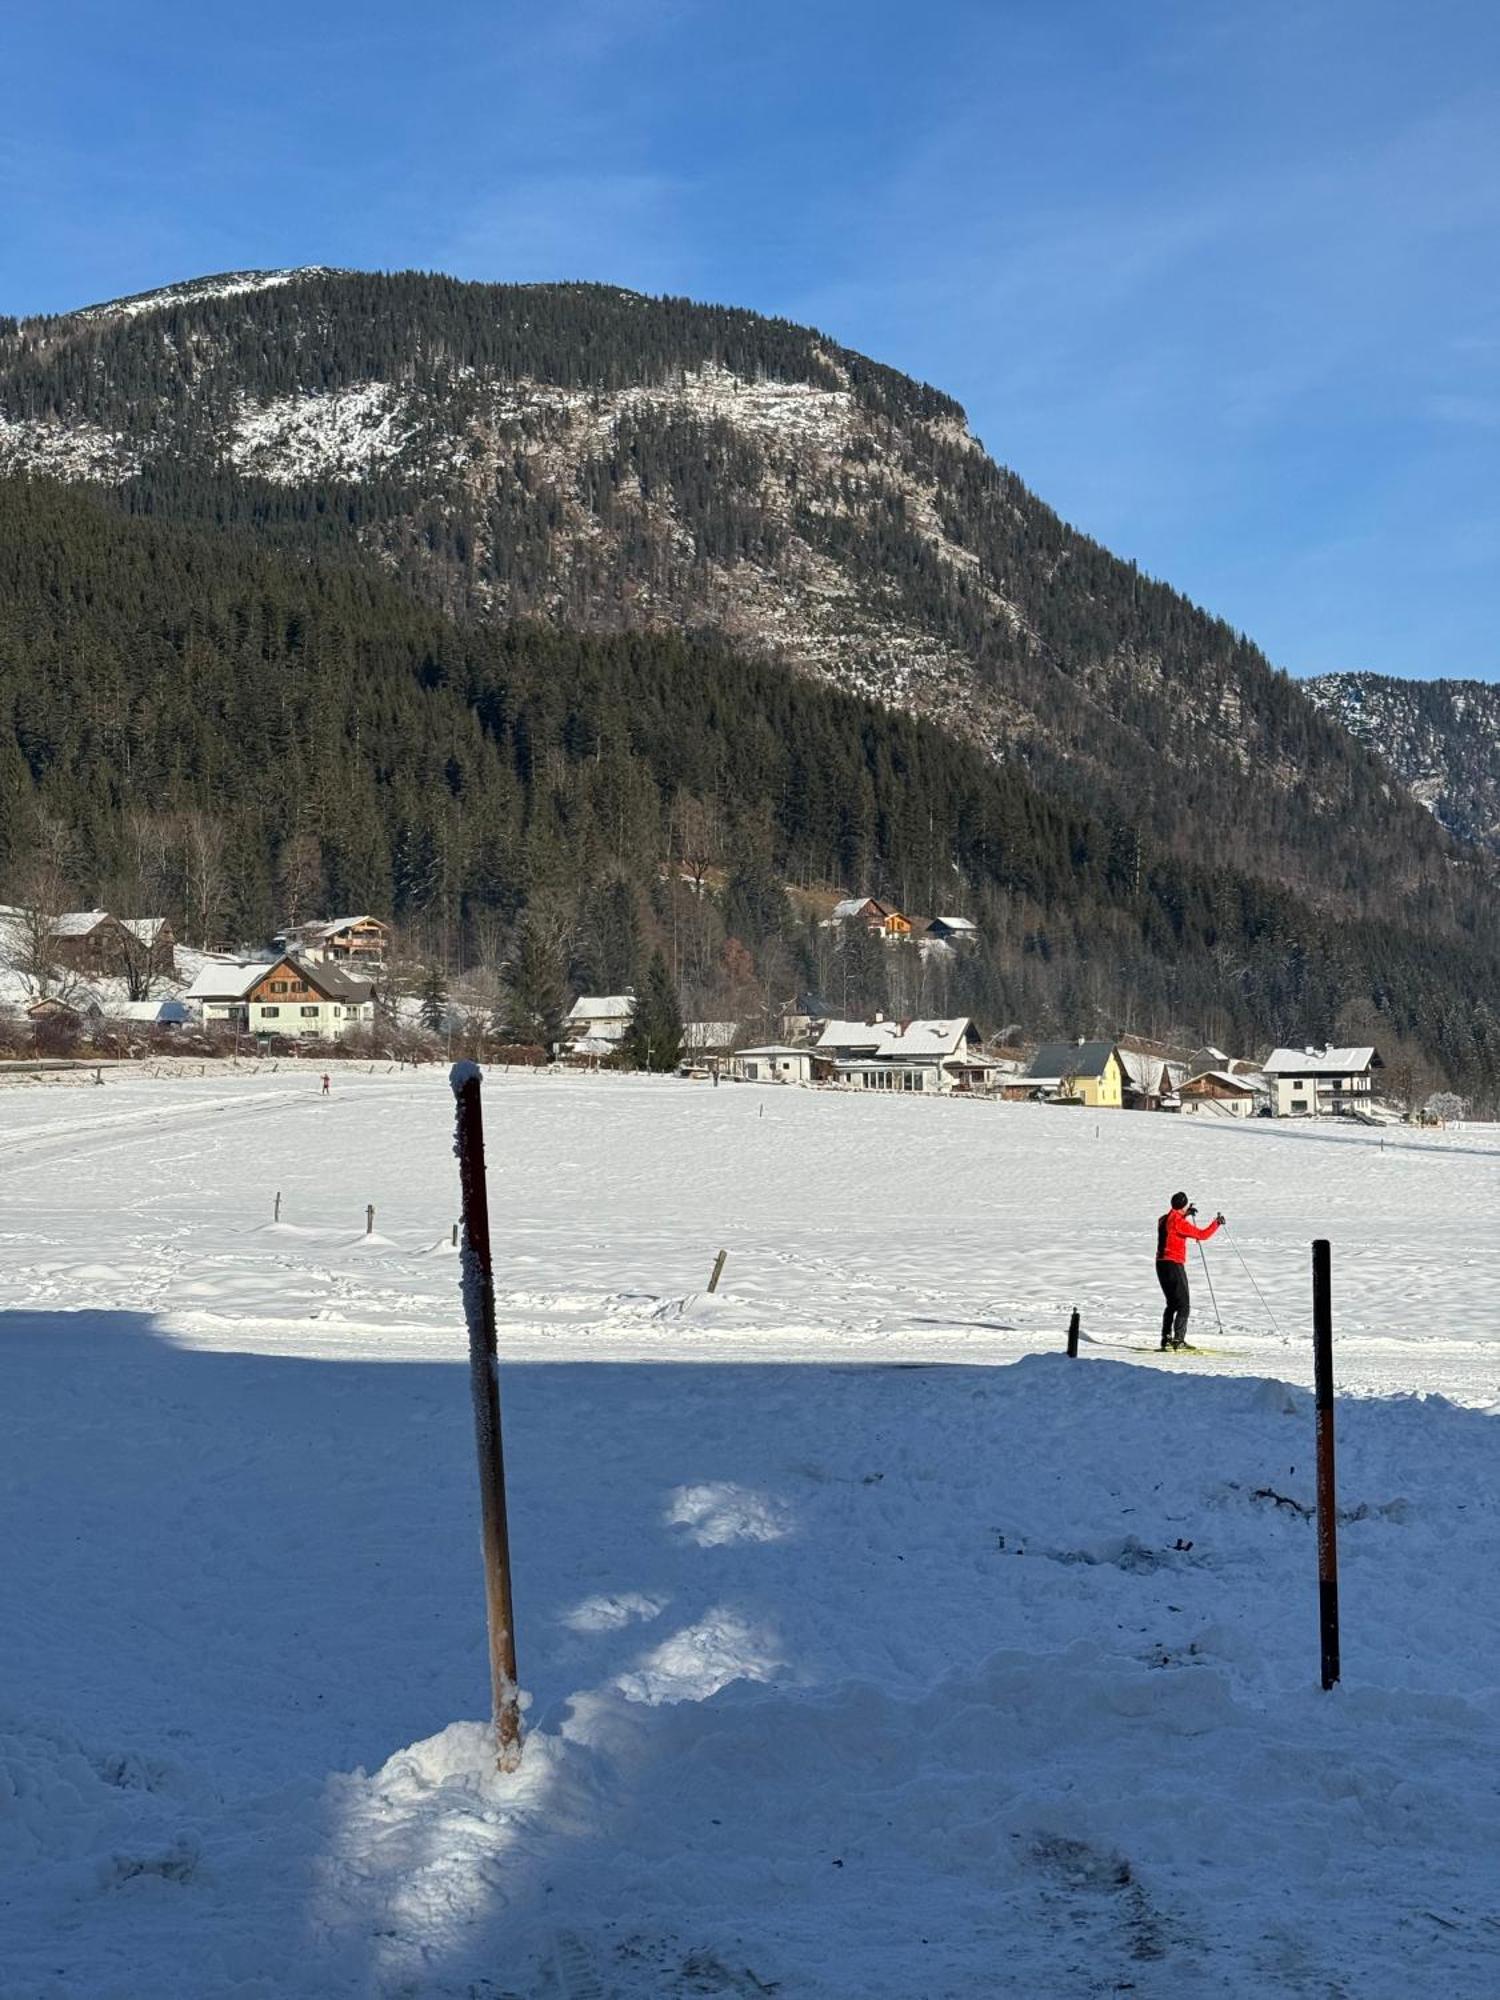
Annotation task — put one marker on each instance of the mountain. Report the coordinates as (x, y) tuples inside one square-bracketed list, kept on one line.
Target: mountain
[(489, 603), (1441, 738), (603, 461)]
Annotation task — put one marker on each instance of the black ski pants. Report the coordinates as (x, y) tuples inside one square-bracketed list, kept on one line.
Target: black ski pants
[(1174, 1284)]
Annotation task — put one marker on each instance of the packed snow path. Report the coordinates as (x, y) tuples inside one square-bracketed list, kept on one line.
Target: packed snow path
[(848, 1676)]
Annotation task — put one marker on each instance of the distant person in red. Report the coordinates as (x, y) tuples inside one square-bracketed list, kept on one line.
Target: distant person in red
[(325, 1083), (1173, 1231)]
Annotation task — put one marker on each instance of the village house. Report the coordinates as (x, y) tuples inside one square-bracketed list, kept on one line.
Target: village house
[(297, 998), (165, 1013), (1322, 1083), (1215, 1093), (90, 941), (777, 1062), (912, 1055), (598, 1023), (1088, 1073), (363, 940), (880, 918), (706, 1039), (220, 990), (1219, 1095), (1146, 1085), (953, 930)]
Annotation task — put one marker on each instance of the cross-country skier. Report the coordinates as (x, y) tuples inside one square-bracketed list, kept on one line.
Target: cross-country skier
[(1173, 1231)]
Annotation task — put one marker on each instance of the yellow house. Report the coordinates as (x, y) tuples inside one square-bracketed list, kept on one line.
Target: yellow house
[(1088, 1073)]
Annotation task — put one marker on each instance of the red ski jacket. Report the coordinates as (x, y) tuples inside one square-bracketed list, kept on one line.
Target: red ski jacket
[(1172, 1233)]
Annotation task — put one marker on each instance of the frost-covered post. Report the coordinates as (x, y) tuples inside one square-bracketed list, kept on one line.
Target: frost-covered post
[(478, 1280), (1328, 1547)]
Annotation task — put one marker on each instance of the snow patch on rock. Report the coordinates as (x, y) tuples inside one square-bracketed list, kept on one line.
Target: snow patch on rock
[(343, 435), (64, 451)]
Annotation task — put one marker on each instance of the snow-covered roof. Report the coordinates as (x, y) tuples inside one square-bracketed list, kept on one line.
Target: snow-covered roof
[(956, 923), (1142, 1072), (146, 930), (709, 1034), (1321, 1062), (931, 1038), (227, 978), (602, 1007), (851, 906), (891, 1038), (78, 923), (838, 1035), (160, 1011)]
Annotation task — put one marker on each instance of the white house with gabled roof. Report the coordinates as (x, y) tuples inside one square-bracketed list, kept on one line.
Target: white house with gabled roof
[(1320, 1082), (906, 1055)]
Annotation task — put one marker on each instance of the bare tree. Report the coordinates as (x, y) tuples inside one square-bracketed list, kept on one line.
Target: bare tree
[(30, 927), (205, 872)]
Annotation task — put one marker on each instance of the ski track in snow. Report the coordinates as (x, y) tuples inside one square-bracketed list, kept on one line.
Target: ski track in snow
[(849, 1673)]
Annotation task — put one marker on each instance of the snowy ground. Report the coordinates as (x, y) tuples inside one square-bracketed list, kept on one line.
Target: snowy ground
[(850, 1675)]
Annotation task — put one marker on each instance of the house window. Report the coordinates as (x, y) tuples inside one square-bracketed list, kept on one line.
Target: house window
[(278, 986), (306, 1011), (268, 1011)]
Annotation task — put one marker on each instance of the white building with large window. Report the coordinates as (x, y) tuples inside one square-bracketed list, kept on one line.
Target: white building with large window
[(1321, 1083)]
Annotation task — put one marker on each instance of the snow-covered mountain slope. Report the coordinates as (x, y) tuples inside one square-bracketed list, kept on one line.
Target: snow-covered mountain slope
[(1441, 738), (588, 457)]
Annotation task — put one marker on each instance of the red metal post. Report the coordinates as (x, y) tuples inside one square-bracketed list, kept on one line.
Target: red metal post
[(478, 1278), (1328, 1530)]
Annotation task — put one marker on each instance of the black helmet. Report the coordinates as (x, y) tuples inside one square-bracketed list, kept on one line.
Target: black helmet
[(1179, 1201)]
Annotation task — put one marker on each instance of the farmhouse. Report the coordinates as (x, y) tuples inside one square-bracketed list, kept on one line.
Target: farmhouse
[(953, 930), (1322, 1083), (220, 989), (90, 941), (296, 997), (362, 940), (598, 1023), (1088, 1073), (1217, 1094)]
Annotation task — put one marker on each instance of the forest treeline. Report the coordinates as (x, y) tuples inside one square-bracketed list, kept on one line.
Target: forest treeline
[(259, 735)]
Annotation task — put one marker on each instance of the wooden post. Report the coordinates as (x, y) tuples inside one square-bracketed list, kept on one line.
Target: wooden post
[(455, 1235), (1328, 1548), (478, 1280), (718, 1271), (276, 1210), (1073, 1336), (369, 1218)]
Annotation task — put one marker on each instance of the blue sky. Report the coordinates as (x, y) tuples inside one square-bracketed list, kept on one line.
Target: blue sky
[(1219, 278)]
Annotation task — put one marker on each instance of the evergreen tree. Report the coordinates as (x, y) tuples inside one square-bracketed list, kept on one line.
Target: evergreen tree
[(654, 1038), (538, 1001), (434, 999)]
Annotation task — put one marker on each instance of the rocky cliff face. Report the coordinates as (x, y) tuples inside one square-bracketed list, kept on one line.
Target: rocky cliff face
[(1440, 738)]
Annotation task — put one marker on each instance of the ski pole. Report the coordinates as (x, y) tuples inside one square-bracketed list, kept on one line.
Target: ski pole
[(1253, 1286), (1212, 1300)]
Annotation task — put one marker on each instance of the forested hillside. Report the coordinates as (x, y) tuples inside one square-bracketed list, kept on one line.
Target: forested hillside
[(586, 458), (248, 733)]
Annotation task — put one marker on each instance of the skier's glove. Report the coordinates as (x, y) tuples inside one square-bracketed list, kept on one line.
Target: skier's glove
[(1220, 1220)]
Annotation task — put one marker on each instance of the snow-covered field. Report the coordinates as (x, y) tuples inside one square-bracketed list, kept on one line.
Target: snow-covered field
[(850, 1674)]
